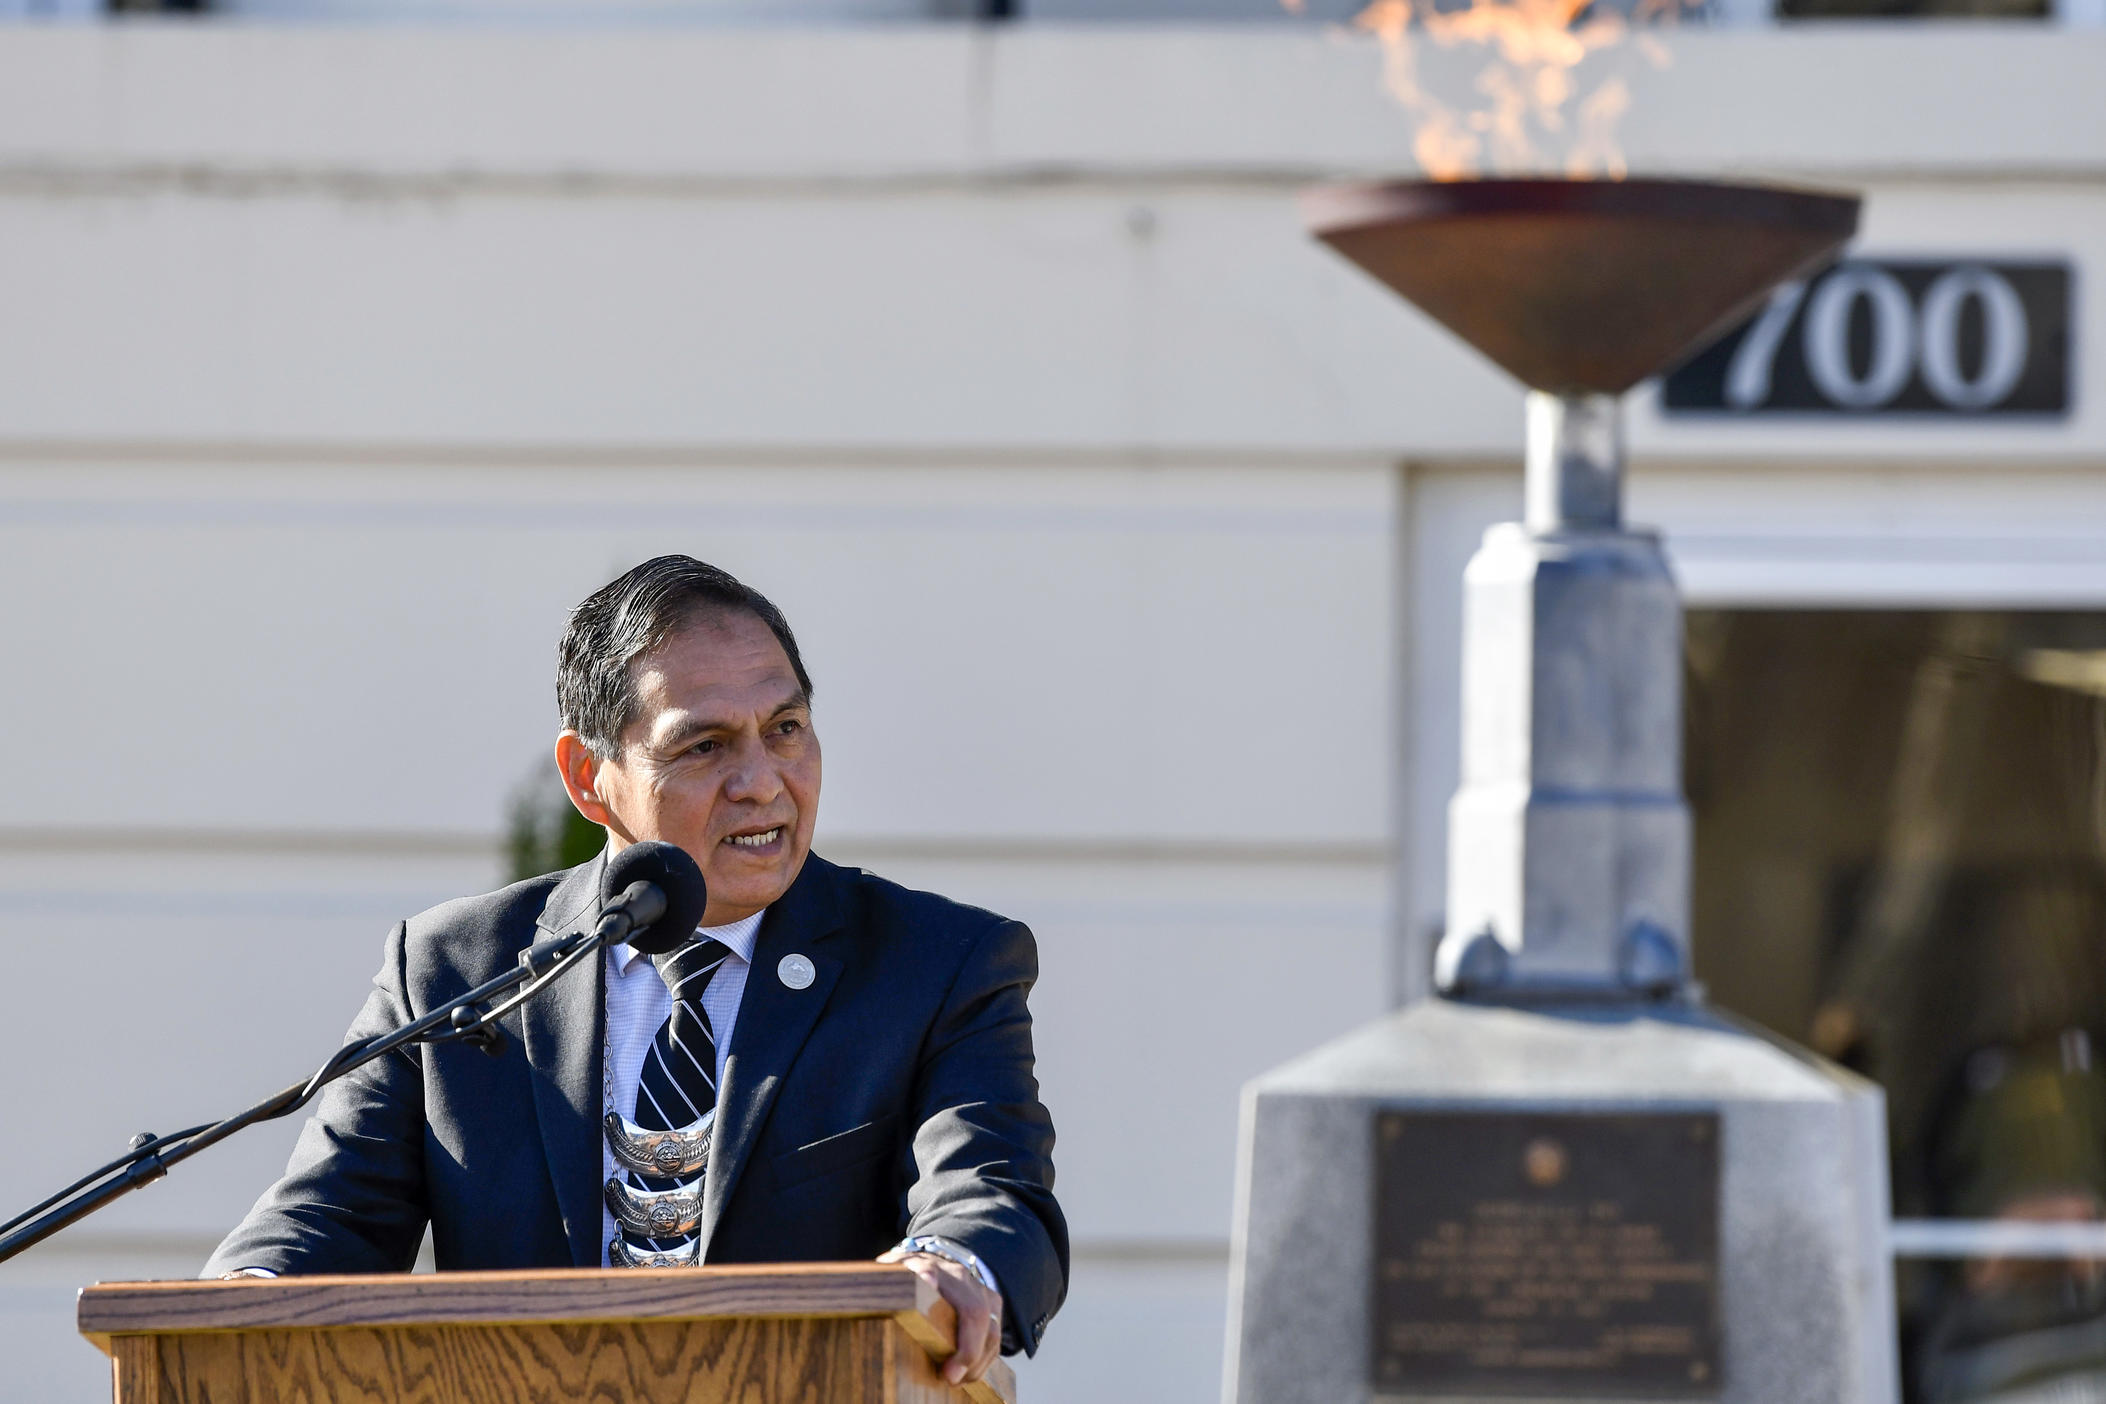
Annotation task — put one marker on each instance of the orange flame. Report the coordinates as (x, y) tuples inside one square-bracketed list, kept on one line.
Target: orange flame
[(1528, 100)]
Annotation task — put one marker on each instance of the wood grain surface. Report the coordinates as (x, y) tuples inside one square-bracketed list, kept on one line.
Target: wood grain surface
[(782, 1332), (932, 1332), (135, 1370), (552, 1294), (661, 1362), (916, 1378)]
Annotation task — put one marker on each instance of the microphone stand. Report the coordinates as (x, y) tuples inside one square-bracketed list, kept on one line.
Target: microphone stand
[(460, 1021)]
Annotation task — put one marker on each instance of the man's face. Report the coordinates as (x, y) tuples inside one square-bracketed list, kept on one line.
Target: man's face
[(720, 759)]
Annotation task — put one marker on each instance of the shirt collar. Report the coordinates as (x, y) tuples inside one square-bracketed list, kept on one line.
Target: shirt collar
[(740, 936)]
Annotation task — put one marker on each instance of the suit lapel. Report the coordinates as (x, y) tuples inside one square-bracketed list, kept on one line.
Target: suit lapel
[(773, 1023), (565, 1033)]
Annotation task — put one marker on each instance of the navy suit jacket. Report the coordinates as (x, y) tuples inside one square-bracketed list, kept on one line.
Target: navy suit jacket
[(893, 1095)]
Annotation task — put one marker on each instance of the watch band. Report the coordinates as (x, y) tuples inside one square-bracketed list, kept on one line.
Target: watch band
[(962, 1256)]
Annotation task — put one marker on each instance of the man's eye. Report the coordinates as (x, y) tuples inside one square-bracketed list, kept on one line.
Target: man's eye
[(786, 727), (702, 748)]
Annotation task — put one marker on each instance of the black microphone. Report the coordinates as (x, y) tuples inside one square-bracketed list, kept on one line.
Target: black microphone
[(652, 896)]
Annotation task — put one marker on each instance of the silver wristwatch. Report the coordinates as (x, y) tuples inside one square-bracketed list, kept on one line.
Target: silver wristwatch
[(963, 1257)]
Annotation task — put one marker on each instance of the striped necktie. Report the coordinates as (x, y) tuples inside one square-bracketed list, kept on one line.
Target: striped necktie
[(679, 1083)]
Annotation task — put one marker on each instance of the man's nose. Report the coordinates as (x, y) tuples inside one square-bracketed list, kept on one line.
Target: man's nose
[(754, 779)]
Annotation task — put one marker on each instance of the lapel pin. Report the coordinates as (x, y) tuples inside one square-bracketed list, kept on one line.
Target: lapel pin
[(796, 972)]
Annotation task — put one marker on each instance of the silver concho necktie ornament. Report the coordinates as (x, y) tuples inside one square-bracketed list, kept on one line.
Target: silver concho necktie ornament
[(672, 1155), (622, 1255), (659, 1214)]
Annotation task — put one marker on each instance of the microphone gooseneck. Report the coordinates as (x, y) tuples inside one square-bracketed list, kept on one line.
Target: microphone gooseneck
[(630, 916)]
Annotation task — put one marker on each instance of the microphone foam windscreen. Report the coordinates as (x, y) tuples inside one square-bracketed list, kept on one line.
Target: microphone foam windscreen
[(676, 874)]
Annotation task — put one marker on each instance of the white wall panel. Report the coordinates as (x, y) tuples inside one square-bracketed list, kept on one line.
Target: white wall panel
[(647, 99), (1992, 535), (1100, 652), (1087, 318), (157, 990), (958, 99), (904, 321), (1135, 1329), (45, 1359)]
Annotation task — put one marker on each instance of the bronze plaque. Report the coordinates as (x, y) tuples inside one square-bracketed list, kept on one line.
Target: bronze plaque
[(1538, 1253)]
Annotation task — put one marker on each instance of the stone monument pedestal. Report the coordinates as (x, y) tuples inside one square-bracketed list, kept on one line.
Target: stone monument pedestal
[(1539, 1238), (1567, 1178)]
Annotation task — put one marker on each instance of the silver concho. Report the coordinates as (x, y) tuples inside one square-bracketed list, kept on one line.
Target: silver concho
[(672, 1213), (622, 1255), (672, 1155)]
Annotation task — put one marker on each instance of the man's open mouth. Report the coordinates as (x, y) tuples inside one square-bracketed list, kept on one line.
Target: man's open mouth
[(759, 840)]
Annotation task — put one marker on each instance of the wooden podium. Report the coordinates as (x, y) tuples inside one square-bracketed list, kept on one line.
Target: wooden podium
[(818, 1333)]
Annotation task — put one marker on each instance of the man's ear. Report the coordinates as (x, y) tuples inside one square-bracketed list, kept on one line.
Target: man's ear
[(580, 769)]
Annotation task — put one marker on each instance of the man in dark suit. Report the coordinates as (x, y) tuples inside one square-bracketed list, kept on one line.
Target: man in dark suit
[(847, 1063)]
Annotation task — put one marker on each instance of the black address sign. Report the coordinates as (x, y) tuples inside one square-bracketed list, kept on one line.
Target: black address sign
[(1893, 336)]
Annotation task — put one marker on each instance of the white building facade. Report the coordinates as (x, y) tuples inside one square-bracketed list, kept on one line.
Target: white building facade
[(1122, 525)]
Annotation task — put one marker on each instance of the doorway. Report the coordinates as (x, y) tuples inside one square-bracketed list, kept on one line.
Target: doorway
[(1900, 861)]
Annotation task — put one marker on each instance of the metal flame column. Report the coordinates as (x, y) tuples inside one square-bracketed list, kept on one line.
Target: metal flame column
[(1567, 1177), (1568, 866)]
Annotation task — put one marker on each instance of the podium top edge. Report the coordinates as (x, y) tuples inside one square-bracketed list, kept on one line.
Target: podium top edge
[(550, 1296), (515, 1297)]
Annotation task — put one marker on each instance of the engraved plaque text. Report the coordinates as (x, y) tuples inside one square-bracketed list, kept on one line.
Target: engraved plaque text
[(1546, 1253)]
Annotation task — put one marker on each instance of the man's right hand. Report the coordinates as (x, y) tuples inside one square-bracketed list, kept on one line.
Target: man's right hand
[(979, 1309)]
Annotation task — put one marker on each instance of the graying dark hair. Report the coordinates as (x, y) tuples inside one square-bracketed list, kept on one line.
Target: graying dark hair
[(625, 619)]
